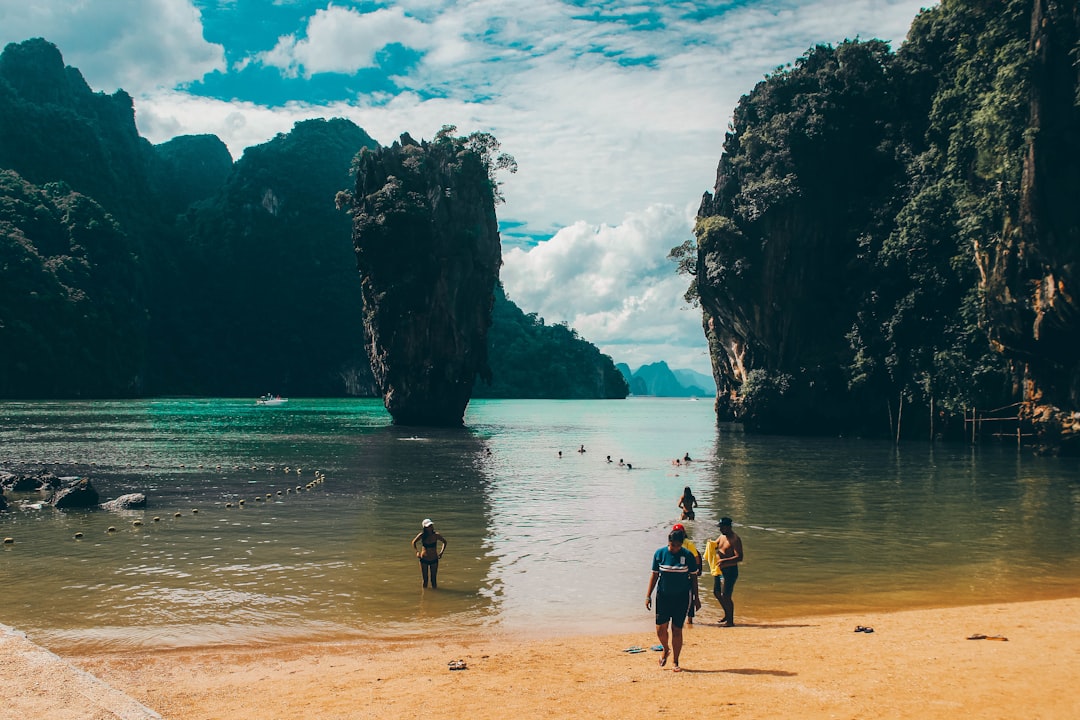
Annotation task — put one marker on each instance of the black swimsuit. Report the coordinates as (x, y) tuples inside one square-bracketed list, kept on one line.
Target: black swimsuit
[(432, 545)]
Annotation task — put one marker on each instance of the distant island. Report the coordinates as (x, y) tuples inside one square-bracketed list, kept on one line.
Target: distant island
[(658, 380)]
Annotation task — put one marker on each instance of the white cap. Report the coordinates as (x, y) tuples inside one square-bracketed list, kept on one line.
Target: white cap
[(427, 523)]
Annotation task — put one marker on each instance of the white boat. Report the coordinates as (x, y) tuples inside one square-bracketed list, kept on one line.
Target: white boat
[(269, 399)]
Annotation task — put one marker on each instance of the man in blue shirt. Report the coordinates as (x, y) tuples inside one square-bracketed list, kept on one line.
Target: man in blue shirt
[(674, 576)]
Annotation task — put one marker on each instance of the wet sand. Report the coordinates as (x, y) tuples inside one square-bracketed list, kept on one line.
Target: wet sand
[(916, 664)]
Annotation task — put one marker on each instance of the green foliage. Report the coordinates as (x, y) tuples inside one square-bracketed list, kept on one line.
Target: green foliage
[(71, 318), (486, 148), (840, 238), (530, 359)]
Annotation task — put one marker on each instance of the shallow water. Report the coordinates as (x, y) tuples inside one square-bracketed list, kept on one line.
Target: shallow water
[(538, 543)]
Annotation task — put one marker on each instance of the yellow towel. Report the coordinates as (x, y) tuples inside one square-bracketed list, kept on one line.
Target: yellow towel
[(712, 557)]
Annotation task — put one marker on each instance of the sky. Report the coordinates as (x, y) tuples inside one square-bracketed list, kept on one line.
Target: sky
[(615, 111)]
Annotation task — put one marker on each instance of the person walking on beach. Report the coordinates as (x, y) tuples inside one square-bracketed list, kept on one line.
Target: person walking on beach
[(427, 554), (688, 544), (729, 549), (687, 502), (674, 578)]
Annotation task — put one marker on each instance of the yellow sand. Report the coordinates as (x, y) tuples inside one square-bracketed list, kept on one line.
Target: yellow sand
[(916, 664)]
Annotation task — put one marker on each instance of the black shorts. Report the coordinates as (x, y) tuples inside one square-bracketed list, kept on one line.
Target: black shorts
[(672, 608), (729, 576)]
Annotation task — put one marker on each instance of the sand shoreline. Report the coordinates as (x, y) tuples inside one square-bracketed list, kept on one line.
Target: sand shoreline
[(916, 663)]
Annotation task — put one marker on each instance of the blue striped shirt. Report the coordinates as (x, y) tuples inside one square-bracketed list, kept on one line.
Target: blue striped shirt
[(674, 569)]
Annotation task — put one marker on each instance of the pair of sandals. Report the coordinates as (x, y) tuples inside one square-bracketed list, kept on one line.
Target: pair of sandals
[(863, 629)]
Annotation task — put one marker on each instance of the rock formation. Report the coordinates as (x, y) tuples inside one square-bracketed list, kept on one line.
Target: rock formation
[(79, 494), (131, 501), (1031, 279), (428, 251)]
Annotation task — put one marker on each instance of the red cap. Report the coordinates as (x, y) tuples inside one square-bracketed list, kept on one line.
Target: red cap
[(677, 526)]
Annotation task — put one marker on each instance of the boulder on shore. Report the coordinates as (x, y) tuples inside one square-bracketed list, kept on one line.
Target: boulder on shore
[(31, 482), (80, 494), (131, 501)]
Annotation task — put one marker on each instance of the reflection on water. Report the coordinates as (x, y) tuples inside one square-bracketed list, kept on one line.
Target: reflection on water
[(538, 542)]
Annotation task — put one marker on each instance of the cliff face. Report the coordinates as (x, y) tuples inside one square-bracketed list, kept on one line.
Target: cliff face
[(809, 160), (1031, 276), (428, 250), (893, 237)]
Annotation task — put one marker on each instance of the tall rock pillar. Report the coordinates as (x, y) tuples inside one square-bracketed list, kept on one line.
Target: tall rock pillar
[(428, 251)]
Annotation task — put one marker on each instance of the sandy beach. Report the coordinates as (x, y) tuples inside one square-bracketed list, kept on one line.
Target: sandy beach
[(914, 664)]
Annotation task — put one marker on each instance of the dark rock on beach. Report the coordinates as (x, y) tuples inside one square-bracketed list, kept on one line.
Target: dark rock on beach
[(80, 494), (30, 482)]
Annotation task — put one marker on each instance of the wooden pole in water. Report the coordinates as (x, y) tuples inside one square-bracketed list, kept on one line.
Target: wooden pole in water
[(931, 418), (899, 416)]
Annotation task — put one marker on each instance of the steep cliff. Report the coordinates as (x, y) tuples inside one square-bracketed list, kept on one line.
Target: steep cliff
[(809, 163), (892, 238), (428, 251), (1031, 274)]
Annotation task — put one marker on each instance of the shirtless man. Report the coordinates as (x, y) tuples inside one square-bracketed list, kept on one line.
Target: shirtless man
[(729, 548)]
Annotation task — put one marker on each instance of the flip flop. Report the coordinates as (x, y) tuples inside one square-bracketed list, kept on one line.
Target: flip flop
[(633, 649), (657, 648), (457, 665), (663, 659), (676, 669), (863, 629)]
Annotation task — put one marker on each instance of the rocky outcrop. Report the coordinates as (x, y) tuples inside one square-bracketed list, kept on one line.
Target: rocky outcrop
[(29, 482), (131, 501), (1031, 276), (428, 251), (80, 494)]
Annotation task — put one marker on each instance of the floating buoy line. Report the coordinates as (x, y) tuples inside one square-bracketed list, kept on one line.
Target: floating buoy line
[(319, 478)]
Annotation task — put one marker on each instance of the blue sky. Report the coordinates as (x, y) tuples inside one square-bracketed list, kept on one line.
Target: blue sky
[(615, 111)]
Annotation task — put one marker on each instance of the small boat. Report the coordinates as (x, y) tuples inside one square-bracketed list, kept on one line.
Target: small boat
[(269, 399)]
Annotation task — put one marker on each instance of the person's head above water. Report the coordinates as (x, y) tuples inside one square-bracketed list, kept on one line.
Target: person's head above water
[(427, 523), (725, 522)]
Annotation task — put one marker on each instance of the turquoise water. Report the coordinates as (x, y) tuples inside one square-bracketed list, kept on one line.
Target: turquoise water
[(538, 543)]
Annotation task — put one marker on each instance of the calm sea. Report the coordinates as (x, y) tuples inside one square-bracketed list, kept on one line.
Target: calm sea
[(538, 543)]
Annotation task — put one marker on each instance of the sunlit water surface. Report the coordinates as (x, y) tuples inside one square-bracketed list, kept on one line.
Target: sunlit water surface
[(538, 543)]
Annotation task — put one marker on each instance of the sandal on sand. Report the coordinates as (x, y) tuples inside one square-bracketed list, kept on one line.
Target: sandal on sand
[(633, 649), (987, 637), (457, 665), (657, 648), (862, 629)]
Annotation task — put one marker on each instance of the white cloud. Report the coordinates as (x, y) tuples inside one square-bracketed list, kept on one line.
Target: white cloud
[(342, 40), (137, 45), (612, 283), (617, 131)]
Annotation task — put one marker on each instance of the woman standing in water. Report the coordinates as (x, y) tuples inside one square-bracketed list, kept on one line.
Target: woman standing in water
[(428, 556), (687, 502)]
